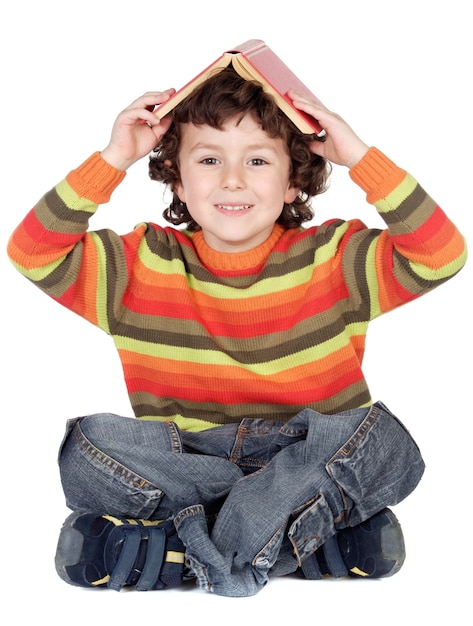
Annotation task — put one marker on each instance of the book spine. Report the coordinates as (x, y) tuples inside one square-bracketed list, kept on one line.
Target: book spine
[(249, 47)]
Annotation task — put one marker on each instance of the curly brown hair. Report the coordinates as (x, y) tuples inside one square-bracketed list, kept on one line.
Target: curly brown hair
[(220, 98)]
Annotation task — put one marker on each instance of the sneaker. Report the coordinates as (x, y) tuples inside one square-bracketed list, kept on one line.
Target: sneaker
[(374, 549), (106, 551)]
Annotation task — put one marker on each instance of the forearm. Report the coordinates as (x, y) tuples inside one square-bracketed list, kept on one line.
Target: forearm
[(60, 219), (418, 229), (52, 247)]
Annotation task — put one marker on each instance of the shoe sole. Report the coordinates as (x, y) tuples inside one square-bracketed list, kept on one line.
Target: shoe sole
[(391, 548), (69, 548)]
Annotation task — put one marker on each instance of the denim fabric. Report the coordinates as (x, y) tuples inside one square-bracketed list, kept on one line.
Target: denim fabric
[(249, 500)]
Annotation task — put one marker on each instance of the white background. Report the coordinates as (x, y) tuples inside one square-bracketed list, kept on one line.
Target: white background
[(400, 74)]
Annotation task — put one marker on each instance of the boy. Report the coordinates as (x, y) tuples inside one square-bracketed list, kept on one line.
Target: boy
[(241, 339)]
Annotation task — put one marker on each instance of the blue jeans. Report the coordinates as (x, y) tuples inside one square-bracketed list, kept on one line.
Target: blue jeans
[(249, 500)]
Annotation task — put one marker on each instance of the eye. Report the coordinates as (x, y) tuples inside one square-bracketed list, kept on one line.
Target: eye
[(257, 161), (209, 161)]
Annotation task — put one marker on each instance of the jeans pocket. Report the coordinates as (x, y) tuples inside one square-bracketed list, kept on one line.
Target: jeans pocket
[(313, 526), (266, 557), (95, 481), (378, 466)]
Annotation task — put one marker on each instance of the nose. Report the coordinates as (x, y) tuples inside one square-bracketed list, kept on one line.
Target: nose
[(233, 176)]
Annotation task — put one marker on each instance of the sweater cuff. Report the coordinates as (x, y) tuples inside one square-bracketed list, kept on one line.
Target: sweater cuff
[(376, 175), (95, 179)]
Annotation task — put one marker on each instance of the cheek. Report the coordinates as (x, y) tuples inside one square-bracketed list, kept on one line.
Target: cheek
[(193, 187)]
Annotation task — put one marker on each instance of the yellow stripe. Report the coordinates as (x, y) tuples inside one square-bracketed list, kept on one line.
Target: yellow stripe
[(72, 200), (397, 195), (191, 424), (100, 296), (148, 258), (114, 520), (102, 581), (443, 272), (268, 286), (37, 273), (372, 280), (213, 357), (174, 557), (144, 522), (358, 572)]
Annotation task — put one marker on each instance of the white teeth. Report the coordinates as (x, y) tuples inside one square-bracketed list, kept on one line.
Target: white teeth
[(226, 207)]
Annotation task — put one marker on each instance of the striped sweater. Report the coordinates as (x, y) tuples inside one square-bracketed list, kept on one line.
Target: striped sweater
[(207, 338)]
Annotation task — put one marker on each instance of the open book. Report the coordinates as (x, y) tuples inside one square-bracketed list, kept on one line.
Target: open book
[(254, 60)]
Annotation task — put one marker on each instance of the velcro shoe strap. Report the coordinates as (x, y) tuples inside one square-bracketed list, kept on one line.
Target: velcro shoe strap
[(310, 568), (333, 558), (127, 558), (155, 553)]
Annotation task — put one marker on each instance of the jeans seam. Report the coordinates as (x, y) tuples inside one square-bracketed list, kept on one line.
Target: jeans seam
[(110, 463), (360, 433), (346, 450), (240, 435), (250, 461), (190, 511), (176, 443)]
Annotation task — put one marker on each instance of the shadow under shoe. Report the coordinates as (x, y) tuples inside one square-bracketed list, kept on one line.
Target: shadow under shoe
[(106, 551), (373, 549)]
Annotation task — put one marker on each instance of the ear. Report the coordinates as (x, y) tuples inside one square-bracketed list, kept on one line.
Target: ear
[(291, 194), (179, 190)]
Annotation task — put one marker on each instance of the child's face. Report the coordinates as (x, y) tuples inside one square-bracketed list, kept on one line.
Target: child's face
[(234, 182)]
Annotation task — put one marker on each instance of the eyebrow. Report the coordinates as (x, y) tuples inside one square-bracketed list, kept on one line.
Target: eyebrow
[(211, 146)]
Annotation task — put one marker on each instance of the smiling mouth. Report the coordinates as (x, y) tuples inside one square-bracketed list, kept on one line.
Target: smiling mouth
[(240, 207)]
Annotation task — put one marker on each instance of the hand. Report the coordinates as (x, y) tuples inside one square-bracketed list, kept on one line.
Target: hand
[(137, 130), (341, 146)]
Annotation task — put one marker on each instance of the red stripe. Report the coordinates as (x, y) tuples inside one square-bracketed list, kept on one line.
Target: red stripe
[(241, 329), (426, 231), (35, 229), (262, 392)]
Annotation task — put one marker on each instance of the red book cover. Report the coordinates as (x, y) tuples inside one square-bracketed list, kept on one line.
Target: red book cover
[(255, 60), (279, 76)]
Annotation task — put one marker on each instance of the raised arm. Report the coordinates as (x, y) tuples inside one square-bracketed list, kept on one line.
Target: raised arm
[(52, 247), (419, 249)]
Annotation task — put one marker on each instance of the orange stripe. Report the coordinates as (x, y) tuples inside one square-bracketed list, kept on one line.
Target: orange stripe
[(447, 239), (30, 236), (387, 186), (20, 246), (232, 392), (285, 302), (156, 367), (384, 265), (228, 322), (87, 283)]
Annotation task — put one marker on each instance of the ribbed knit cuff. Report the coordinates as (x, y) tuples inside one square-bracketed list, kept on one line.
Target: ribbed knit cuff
[(376, 174), (95, 179)]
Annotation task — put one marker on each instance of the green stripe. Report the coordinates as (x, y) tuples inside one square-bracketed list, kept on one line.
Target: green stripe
[(192, 416), (101, 294), (440, 273), (72, 200), (372, 279), (38, 274), (218, 358), (397, 196)]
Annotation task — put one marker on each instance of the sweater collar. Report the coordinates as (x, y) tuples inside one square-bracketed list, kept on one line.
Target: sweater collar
[(236, 260)]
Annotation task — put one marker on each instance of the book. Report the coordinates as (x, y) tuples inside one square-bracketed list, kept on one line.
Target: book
[(254, 60)]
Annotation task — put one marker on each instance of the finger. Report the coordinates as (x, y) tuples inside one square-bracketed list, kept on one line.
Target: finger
[(152, 98), (143, 108), (161, 126), (300, 97)]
